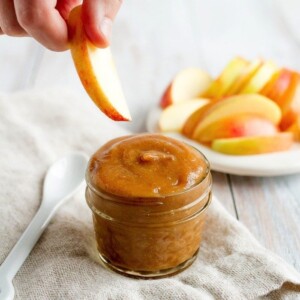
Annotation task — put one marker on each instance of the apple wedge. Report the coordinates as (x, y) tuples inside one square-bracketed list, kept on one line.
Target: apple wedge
[(192, 121), (263, 75), (289, 102), (295, 129), (288, 120), (254, 145), (237, 126), (96, 71), (174, 116), (231, 72), (236, 105), (277, 85), (188, 84), (247, 73)]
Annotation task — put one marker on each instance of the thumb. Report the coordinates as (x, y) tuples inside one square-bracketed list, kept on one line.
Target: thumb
[(97, 17)]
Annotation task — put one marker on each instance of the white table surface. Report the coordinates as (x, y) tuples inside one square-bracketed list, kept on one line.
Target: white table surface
[(152, 40)]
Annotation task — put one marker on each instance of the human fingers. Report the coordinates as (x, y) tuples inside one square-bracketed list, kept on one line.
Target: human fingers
[(98, 16), (8, 20), (65, 6), (42, 21)]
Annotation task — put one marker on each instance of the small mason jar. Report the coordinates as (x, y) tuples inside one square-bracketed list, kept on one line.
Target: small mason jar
[(150, 237)]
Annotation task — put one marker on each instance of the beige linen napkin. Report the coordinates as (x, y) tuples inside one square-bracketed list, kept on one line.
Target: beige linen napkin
[(37, 128)]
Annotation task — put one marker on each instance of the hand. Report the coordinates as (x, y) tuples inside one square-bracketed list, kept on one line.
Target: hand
[(45, 20)]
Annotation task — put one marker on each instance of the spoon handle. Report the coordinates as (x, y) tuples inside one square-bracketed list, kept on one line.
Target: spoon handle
[(25, 244)]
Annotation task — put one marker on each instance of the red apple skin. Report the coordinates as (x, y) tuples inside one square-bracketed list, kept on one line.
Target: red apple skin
[(295, 129), (284, 90), (290, 102), (286, 100), (277, 85), (288, 120), (166, 98), (237, 126)]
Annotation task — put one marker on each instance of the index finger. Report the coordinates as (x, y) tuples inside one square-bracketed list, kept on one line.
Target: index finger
[(42, 21)]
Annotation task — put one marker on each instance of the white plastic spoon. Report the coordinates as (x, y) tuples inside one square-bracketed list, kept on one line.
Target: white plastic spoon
[(63, 178)]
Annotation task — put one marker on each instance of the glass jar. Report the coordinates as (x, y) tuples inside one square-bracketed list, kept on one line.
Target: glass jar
[(149, 237)]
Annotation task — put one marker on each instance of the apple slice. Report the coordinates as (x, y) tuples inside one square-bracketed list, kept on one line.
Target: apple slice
[(241, 104), (237, 126), (247, 73), (192, 121), (288, 120), (96, 71), (264, 73), (174, 116), (188, 84), (295, 129), (231, 72), (254, 145), (277, 85), (290, 100)]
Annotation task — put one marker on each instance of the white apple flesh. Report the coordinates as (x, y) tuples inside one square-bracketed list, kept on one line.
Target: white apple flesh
[(96, 71), (174, 116)]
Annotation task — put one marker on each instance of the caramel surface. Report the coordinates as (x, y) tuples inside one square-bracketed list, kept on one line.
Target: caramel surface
[(148, 165)]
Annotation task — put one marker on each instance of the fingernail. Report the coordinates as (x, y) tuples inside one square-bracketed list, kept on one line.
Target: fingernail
[(106, 27)]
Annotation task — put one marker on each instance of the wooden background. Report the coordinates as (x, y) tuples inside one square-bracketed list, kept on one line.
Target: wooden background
[(152, 40)]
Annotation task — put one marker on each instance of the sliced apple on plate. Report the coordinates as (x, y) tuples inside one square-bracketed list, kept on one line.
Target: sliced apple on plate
[(295, 129), (175, 115), (277, 85), (96, 71), (188, 84), (254, 145), (261, 77), (241, 104), (290, 103), (193, 120), (231, 72), (245, 76), (288, 120), (237, 126)]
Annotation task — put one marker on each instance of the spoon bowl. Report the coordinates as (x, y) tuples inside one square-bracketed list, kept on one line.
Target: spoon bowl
[(62, 180)]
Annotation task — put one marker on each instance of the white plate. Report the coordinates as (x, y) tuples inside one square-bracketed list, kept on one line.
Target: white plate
[(273, 164)]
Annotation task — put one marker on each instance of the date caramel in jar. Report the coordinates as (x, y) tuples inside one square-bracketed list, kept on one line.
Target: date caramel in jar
[(149, 195)]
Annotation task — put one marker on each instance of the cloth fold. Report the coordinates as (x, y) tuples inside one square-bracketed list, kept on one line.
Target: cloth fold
[(37, 128)]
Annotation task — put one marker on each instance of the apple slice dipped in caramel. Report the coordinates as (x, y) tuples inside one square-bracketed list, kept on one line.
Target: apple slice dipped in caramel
[(96, 71), (188, 84), (254, 145)]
